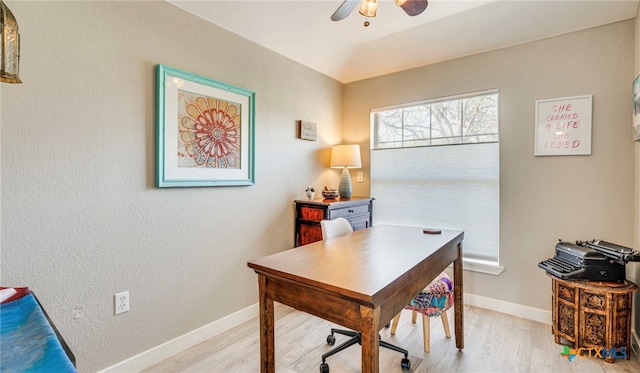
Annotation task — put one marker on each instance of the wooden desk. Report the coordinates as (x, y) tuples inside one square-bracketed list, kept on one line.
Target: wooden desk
[(360, 281)]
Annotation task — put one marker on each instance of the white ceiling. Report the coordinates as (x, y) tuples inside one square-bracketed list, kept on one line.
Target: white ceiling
[(347, 51)]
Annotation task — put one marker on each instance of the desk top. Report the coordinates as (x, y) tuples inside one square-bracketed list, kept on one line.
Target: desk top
[(365, 265)]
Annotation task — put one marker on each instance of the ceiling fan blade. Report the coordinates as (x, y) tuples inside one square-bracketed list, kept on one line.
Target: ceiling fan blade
[(414, 7), (344, 10)]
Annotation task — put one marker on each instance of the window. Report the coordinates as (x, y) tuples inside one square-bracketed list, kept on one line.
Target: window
[(468, 119), (436, 164)]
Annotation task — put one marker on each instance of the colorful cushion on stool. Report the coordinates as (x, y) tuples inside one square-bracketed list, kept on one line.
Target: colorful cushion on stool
[(437, 297)]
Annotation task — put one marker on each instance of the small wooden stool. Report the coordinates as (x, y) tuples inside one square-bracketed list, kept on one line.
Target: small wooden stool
[(433, 301)]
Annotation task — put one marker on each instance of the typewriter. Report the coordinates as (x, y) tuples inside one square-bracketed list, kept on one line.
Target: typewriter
[(591, 260)]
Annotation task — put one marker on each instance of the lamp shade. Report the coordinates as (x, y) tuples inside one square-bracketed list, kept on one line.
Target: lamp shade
[(346, 156)]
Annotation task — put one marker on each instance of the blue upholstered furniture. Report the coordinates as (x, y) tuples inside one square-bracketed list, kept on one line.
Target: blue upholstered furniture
[(433, 301), (29, 342)]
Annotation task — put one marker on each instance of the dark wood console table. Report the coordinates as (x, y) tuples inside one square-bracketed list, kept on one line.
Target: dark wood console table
[(357, 210), (593, 314)]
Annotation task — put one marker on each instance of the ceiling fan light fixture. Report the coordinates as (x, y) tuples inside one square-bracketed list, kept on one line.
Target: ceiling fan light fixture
[(412, 7), (369, 8)]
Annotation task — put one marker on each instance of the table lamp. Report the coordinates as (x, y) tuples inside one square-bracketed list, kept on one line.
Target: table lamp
[(345, 157)]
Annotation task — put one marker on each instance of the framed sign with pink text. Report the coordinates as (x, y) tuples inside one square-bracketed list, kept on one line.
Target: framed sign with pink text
[(563, 126)]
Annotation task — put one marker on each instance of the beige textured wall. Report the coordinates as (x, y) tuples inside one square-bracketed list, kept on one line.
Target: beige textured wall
[(81, 219), (542, 198)]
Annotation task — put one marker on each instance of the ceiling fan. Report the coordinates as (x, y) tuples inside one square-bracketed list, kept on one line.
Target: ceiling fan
[(368, 8)]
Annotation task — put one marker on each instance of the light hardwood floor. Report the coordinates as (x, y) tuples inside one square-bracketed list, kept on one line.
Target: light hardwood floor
[(494, 342)]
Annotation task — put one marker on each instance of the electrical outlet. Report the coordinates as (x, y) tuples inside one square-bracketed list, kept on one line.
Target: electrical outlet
[(121, 303), (360, 177)]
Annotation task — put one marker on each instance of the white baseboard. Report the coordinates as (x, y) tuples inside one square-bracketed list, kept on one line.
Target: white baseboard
[(155, 355), (514, 309), (635, 343)]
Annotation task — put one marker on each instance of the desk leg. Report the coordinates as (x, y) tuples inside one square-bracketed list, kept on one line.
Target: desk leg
[(458, 305), (267, 337), (370, 339)]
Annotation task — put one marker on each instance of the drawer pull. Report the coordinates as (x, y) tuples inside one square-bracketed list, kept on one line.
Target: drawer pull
[(351, 211)]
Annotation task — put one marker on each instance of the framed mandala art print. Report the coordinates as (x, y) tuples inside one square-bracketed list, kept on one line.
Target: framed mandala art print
[(205, 131)]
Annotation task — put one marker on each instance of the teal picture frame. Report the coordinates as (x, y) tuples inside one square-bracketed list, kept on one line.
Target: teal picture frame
[(205, 131)]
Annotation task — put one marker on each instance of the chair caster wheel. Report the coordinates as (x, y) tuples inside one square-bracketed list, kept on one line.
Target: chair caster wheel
[(324, 368), (405, 364), (331, 340)]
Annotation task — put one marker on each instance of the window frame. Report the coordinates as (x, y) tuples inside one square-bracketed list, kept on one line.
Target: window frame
[(375, 129)]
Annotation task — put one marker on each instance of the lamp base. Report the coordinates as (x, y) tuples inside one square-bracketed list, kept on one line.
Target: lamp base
[(345, 184)]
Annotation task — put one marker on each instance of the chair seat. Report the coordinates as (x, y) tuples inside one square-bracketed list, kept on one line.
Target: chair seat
[(433, 301), (436, 298)]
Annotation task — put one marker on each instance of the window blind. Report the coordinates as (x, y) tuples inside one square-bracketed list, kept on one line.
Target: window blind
[(447, 187)]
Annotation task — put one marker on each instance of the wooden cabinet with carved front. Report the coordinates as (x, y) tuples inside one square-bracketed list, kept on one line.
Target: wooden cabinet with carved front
[(593, 315)]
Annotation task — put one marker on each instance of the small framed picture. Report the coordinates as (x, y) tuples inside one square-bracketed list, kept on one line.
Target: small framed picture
[(205, 131), (307, 130)]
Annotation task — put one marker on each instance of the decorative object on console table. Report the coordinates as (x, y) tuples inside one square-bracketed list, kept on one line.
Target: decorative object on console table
[(311, 193), (330, 193), (345, 157), (593, 314), (357, 210)]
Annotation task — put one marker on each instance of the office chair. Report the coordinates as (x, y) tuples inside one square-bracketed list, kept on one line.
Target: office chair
[(433, 301), (331, 229)]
